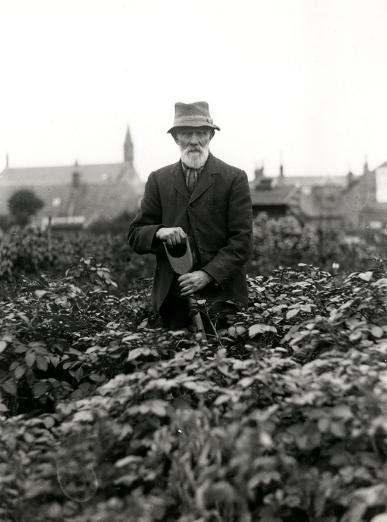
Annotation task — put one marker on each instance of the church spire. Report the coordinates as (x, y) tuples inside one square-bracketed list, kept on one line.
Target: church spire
[(365, 166), (128, 147)]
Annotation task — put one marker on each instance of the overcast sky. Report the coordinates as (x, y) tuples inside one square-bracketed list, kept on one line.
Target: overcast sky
[(305, 79)]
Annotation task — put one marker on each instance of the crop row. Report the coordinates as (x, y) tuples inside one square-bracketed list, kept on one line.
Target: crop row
[(280, 417)]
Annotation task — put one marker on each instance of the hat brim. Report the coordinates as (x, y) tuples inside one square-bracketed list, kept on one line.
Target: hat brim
[(194, 124)]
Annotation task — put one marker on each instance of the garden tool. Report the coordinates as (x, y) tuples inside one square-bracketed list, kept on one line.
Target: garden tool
[(181, 262)]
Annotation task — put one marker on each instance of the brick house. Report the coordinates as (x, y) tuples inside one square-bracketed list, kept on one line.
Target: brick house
[(352, 202), (78, 193)]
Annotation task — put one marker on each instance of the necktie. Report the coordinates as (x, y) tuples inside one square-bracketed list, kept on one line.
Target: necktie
[(192, 177)]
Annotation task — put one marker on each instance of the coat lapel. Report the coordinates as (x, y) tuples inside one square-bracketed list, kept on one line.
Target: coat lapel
[(206, 179), (179, 181)]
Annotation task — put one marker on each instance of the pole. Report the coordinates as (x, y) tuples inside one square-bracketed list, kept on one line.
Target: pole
[(197, 319), (49, 238)]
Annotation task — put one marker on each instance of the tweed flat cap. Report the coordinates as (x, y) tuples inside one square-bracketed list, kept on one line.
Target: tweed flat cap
[(195, 114)]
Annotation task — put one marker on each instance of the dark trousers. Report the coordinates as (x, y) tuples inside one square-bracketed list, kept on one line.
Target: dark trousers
[(175, 314)]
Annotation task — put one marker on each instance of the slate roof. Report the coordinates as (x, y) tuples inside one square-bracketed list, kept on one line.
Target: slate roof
[(311, 181), (290, 191), (279, 195), (311, 207), (34, 176)]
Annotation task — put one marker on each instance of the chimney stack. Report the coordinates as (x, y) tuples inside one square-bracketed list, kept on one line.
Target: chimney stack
[(365, 166), (259, 173), (76, 181)]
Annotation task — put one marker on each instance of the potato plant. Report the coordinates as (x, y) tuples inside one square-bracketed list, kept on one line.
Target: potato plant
[(107, 417)]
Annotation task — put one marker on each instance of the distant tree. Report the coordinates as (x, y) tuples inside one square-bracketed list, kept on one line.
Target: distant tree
[(22, 205)]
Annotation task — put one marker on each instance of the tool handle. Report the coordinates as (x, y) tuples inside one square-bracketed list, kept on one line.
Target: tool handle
[(183, 262), (197, 318)]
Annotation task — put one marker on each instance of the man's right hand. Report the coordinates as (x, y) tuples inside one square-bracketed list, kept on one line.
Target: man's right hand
[(171, 236)]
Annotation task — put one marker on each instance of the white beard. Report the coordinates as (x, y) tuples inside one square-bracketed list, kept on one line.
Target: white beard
[(195, 160)]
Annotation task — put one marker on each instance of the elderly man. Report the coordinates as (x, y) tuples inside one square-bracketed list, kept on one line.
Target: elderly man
[(205, 201)]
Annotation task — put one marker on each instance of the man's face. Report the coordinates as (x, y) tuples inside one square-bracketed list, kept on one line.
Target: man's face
[(194, 144)]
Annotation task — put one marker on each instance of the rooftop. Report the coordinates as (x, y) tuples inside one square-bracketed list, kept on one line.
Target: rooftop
[(54, 175)]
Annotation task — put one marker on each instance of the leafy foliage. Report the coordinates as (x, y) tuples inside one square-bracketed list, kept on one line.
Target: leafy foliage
[(276, 243), (285, 242), (22, 205), (27, 251), (280, 417)]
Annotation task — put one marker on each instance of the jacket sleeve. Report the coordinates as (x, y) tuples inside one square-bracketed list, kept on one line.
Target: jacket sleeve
[(238, 248), (142, 229)]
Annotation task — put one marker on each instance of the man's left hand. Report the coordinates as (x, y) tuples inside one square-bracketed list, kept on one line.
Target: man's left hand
[(193, 281)]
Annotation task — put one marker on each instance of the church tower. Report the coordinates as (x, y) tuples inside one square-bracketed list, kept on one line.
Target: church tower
[(128, 148)]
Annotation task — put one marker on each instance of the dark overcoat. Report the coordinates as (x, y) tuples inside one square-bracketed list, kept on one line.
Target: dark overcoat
[(218, 217)]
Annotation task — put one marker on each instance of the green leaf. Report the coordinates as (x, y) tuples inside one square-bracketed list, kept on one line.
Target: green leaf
[(245, 382), (261, 328), (339, 460), (366, 276), (130, 459), (309, 441), (342, 411), (292, 313), (21, 348), (40, 388), (3, 346), (30, 359), (9, 387), (197, 387), (221, 399), (49, 422), (156, 406), (338, 429), (379, 518), (97, 377), (20, 371), (41, 363), (83, 416), (324, 424), (54, 360), (40, 293), (376, 331), (236, 331), (131, 337), (137, 352)]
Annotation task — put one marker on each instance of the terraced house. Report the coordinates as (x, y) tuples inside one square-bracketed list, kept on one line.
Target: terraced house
[(350, 201)]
